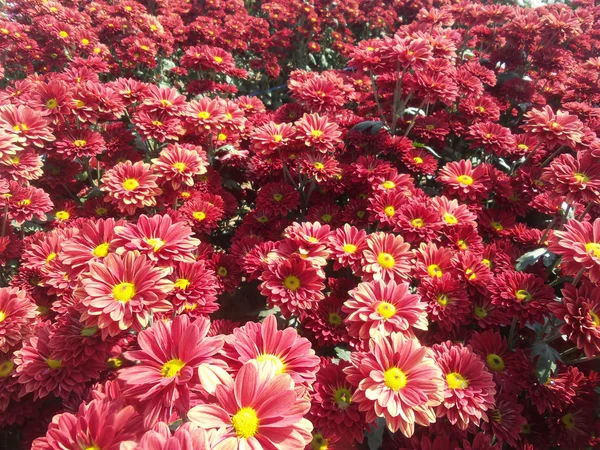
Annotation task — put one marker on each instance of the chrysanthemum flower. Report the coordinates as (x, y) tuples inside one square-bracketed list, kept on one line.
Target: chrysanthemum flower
[(573, 179), (333, 410), (452, 213), (78, 143), (325, 324), (30, 127), (320, 166), (195, 288), (25, 202), (227, 270), (206, 114), (387, 258), (486, 314), (93, 242), (8, 144), (292, 284), (385, 207), (448, 301), (523, 295), (17, 313), (163, 99), (318, 132), (158, 125), (347, 245), (506, 421), (580, 310), (130, 186), (561, 128), (40, 372), (378, 308), (492, 137), (120, 292), (260, 410), (178, 165), (159, 238), (460, 179), (472, 269), (169, 356), (417, 222), (418, 160), (469, 388), (277, 198), (271, 136), (186, 437), (397, 380), (492, 348), (284, 349), (202, 215)]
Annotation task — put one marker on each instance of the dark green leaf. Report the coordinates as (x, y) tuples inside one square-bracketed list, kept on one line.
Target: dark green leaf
[(530, 258), (343, 353), (375, 436), (373, 125), (546, 360)]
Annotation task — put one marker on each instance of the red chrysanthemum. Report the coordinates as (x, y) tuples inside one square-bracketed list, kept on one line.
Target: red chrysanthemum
[(169, 356), (469, 388), (271, 137), (333, 410), (206, 114), (130, 186), (492, 137), (178, 165), (561, 128), (573, 179), (30, 127), (385, 207), (580, 310), (347, 245), (318, 132), (79, 143), (579, 246), (462, 180), (492, 348), (387, 258), (448, 302), (159, 238), (277, 198), (17, 314), (398, 380), (264, 343), (120, 292), (506, 421), (195, 289), (293, 285), (417, 222), (523, 295), (325, 323), (378, 308), (25, 202), (201, 215)]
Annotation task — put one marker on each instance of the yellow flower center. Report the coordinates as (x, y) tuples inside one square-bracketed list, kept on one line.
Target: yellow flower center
[(568, 420), (479, 109), (172, 368), (593, 315), (144, 47), (319, 165), (123, 292), (496, 226), (523, 295), (523, 147), (434, 271), (386, 310), (386, 260), (316, 133), (245, 423), (79, 143), (54, 363), (130, 184), (85, 41), (594, 248), (272, 359), (334, 319), (156, 243), (25, 202), (63, 34), (221, 137), (326, 218), (470, 274), (52, 103), (394, 379), (442, 299), (417, 223), (277, 137), (465, 179), (180, 166), (157, 123), (450, 219), (497, 416), (199, 215), (350, 248), (319, 442), (291, 282), (62, 215), (456, 381), (480, 312), (277, 197), (2, 316), (79, 103), (389, 211), (388, 184), (462, 244), (495, 362), (218, 59), (51, 257), (222, 271), (6, 368), (342, 397), (182, 283), (101, 251), (15, 160), (487, 262), (204, 115), (581, 177)]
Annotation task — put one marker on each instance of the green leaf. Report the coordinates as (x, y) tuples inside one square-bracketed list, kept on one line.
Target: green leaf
[(268, 312), (173, 426), (375, 436), (343, 353), (530, 258), (546, 360), (373, 125)]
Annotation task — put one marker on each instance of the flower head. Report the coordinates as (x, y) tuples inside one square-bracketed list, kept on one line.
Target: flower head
[(130, 186)]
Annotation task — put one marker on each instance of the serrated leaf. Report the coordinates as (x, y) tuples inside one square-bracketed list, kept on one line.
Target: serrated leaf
[(375, 436), (343, 353), (530, 258), (546, 360)]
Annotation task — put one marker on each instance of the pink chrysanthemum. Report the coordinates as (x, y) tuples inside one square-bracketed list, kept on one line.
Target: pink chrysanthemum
[(202, 215), (469, 388), (17, 314), (271, 136), (79, 143), (557, 129), (195, 288), (318, 132), (460, 179), (333, 410), (580, 310), (260, 410), (130, 186), (378, 308), (573, 179), (292, 284), (417, 222), (287, 351), (186, 437), (579, 246), (448, 301), (159, 238), (169, 356), (40, 372), (397, 380), (30, 127), (120, 292), (387, 258), (347, 245), (178, 165)]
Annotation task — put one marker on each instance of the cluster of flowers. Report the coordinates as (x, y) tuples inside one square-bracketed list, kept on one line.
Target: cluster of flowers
[(399, 251)]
